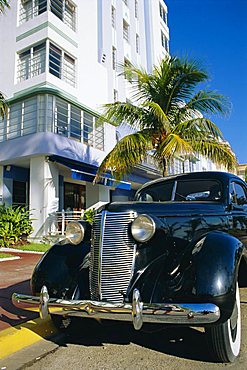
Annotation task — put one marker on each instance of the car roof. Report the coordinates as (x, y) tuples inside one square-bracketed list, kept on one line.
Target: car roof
[(217, 175)]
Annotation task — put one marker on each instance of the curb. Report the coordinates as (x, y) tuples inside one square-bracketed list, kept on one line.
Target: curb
[(9, 258), (21, 336), (3, 249)]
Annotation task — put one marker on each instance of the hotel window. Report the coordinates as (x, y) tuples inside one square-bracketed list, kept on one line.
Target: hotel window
[(137, 44), (57, 8), (164, 41), (136, 8), (127, 74), (75, 123), (20, 193), (49, 113), (113, 17), (115, 95), (24, 65), (114, 58), (63, 9), (88, 121), (15, 120), (38, 59), (29, 116), (61, 65), (125, 31), (163, 14), (61, 117), (69, 69), (31, 62), (55, 61), (70, 15)]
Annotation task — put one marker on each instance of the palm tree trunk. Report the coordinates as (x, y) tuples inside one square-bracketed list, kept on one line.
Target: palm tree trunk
[(165, 167)]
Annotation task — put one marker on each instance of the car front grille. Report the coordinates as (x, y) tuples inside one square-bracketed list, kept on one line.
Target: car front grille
[(112, 256)]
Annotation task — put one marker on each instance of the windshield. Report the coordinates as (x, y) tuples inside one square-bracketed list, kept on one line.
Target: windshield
[(181, 190)]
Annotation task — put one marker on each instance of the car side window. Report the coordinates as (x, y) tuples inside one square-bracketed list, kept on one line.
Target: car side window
[(161, 192), (238, 194)]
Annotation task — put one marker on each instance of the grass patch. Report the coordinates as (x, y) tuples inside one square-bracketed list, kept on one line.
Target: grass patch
[(34, 247), (6, 255)]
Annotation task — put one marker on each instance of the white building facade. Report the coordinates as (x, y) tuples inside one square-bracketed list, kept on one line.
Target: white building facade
[(60, 63)]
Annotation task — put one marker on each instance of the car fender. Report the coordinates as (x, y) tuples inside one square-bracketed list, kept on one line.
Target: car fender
[(206, 269), (59, 269), (216, 258)]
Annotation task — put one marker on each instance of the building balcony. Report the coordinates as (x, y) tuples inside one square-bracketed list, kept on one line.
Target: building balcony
[(48, 112), (63, 9)]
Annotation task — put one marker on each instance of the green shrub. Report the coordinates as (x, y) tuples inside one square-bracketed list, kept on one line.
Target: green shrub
[(15, 224), (89, 215)]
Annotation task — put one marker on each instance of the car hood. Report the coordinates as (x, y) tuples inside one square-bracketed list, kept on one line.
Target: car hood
[(168, 208)]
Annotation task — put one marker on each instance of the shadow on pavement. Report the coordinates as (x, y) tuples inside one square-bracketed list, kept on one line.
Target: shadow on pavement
[(9, 314), (181, 342)]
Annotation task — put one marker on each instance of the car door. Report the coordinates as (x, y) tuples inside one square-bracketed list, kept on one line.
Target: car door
[(238, 201)]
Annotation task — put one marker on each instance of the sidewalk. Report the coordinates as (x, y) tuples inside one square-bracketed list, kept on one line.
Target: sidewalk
[(15, 277)]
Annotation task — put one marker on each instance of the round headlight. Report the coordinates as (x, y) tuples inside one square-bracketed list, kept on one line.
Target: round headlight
[(143, 228), (74, 232)]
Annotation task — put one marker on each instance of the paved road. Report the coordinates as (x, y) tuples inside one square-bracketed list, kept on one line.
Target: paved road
[(15, 277), (119, 347)]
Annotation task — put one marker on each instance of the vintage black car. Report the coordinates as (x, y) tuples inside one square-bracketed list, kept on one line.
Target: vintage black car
[(173, 256)]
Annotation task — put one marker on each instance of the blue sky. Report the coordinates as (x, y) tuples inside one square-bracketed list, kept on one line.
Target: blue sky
[(215, 33)]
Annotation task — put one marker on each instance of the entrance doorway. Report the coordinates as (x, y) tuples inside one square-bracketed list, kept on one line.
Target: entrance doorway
[(74, 197)]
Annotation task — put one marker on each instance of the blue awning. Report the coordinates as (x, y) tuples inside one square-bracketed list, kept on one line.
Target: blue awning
[(86, 172)]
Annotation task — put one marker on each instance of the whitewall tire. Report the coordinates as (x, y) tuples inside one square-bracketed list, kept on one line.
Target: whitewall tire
[(225, 339)]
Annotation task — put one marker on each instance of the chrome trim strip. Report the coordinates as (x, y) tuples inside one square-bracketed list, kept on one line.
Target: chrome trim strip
[(102, 228), (162, 313), (174, 190)]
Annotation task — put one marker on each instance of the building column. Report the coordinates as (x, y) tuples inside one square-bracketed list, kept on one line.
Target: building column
[(1, 185), (96, 193), (44, 195)]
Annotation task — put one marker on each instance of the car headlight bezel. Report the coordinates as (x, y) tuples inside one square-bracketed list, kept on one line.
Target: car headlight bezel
[(75, 232), (143, 228)]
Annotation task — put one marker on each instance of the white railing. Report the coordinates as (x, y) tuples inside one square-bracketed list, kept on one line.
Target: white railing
[(63, 9), (59, 220), (31, 63)]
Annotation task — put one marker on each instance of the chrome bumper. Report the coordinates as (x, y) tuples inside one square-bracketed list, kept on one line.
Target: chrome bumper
[(136, 312)]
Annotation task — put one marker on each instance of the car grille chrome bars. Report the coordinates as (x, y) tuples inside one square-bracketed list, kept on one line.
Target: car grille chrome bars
[(112, 256)]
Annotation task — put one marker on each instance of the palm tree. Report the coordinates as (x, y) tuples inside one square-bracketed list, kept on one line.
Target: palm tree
[(3, 106), (168, 118), (3, 5)]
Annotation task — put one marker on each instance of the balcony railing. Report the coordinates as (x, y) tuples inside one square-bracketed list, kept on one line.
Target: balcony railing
[(63, 9), (48, 113), (32, 62)]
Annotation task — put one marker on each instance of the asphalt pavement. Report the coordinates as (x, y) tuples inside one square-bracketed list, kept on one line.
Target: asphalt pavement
[(15, 277), (20, 329)]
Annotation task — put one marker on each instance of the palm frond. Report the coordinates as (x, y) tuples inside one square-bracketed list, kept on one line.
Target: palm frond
[(209, 102), (129, 151), (3, 5), (184, 76), (118, 112), (172, 146), (198, 128), (158, 112), (3, 106), (220, 153)]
